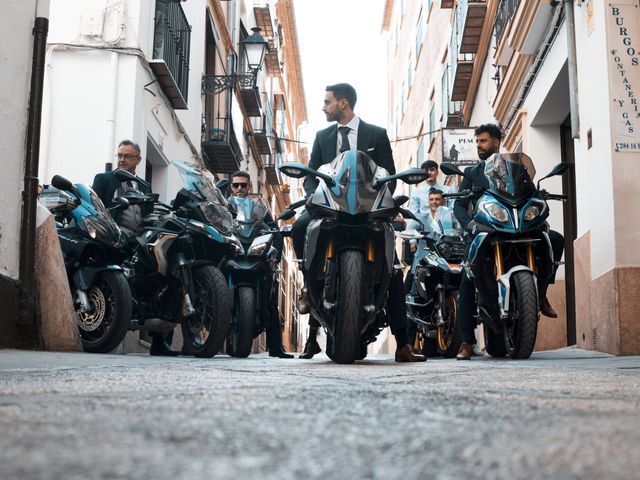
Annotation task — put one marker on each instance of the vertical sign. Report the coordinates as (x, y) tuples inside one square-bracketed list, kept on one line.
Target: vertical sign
[(459, 146), (623, 42)]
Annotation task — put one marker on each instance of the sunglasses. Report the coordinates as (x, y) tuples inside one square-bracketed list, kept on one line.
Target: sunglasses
[(239, 185)]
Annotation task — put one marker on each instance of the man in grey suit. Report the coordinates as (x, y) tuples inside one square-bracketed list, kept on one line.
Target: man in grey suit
[(350, 133)]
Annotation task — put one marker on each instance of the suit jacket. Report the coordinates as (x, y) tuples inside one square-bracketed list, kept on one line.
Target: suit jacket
[(106, 185), (372, 140), (474, 177)]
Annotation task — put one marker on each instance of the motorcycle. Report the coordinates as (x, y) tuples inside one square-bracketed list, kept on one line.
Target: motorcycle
[(173, 267), (349, 251), (252, 276), (91, 244), (510, 255), (433, 302)]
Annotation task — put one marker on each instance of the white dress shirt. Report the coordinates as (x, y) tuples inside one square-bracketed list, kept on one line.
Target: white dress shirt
[(353, 134)]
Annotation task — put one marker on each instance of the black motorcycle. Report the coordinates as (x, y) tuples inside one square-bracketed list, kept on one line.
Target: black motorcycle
[(251, 273), (350, 249), (432, 303), (173, 268), (510, 256), (92, 246)]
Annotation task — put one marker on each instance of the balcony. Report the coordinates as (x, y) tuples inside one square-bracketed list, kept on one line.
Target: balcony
[(171, 46), (506, 9), (263, 131), (462, 78), (455, 117), (271, 164), (250, 95), (220, 146), (265, 24), (272, 60), (472, 14), (447, 3)]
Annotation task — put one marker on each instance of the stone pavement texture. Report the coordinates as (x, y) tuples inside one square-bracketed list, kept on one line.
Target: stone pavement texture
[(565, 414)]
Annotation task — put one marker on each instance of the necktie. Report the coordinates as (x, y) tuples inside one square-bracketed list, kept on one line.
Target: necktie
[(344, 131)]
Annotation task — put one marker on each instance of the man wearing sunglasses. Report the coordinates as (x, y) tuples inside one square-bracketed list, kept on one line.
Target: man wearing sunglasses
[(109, 189), (240, 189)]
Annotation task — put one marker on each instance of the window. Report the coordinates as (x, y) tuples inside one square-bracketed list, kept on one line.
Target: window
[(420, 152), (445, 93), (432, 124), (419, 34)]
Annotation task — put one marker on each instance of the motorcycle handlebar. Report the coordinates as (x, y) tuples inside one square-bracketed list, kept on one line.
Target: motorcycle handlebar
[(554, 196)]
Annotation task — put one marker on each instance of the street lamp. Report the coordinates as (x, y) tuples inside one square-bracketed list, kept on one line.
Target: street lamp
[(254, 47)]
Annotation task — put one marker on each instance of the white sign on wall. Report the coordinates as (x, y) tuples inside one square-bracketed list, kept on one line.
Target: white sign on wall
[(459, 146), (623, 42)]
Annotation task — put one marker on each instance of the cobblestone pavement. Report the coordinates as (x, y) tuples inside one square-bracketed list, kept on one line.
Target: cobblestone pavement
[(567, 414)]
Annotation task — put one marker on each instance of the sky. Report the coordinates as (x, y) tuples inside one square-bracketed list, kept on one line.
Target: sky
[(341, 41)]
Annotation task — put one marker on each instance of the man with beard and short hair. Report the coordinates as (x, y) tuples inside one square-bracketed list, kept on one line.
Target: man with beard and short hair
[(350, 133), (488, 139)]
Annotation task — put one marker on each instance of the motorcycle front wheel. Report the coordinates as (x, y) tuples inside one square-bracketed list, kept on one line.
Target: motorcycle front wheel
[(103, 328), (243, 323), (346, 343), (521, 327), (205, 331)]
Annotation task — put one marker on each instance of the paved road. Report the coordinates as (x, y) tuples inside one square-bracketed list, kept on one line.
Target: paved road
[(566, 414)]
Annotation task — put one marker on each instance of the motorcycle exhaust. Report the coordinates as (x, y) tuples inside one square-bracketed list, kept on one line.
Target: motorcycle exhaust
[(152, 325)]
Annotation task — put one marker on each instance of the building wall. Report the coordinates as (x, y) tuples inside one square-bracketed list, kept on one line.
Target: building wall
[(16, 49)]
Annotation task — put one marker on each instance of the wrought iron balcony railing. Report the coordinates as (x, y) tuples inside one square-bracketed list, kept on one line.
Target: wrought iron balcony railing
[(506, 9), (171, 47)]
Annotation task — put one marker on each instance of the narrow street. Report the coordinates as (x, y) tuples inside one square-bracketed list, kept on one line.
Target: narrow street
[(563, 414)]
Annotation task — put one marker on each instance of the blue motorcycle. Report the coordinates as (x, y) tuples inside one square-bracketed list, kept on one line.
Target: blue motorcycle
[(510, 256), (91, 245)]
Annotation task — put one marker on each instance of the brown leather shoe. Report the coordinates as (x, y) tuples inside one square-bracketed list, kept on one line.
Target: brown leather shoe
[(466, 350), (310, 349), (546, 309), (303, 302), (404, 354)]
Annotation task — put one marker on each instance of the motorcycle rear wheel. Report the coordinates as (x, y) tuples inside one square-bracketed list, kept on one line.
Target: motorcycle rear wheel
[(243, 323), (205, 332), (522, 326), (103, 329), (346, 343)]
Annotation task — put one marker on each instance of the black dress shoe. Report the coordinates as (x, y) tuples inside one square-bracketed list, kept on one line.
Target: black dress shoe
[(546, 309), (279, 352), (161, 349), (310, 349)]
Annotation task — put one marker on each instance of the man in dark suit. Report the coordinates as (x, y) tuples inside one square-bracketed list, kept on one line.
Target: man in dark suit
[(350, 133), (109, 189), (488, 138)]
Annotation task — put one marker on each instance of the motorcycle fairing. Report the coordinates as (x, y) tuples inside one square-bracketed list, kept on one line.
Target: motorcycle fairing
[(85, 277), (475, 247), (311, 241)]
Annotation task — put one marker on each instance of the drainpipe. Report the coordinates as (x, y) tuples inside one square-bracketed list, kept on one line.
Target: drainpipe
[(573, 70), (113, 104), (30, 193)]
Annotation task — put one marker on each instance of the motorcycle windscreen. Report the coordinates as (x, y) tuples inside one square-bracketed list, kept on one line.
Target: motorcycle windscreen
[(250, 215), (446, 222), (510, 175), (213, 205), (354, 173)]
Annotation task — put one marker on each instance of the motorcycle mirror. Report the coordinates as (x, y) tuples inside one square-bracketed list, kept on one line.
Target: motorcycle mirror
[(123, 175), (400, 200), (411, 176), (559, 169), (62, 183), (408, 214), (450, 169), (298, 170), (223, 184), (286, 214)]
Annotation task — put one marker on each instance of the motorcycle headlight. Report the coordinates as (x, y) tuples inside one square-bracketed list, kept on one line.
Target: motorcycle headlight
[(497, 212), (235, 243), (260, 244), (531, 212), (103, 229)]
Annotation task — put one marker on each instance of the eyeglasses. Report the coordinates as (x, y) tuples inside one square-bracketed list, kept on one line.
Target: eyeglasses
[(240, 185), (125, 156)]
